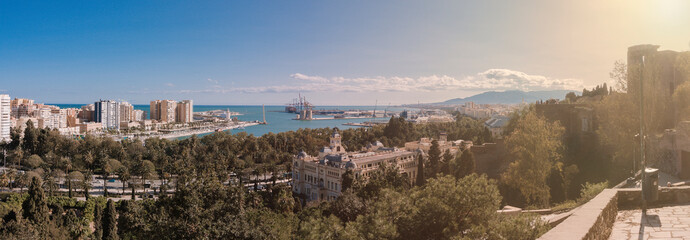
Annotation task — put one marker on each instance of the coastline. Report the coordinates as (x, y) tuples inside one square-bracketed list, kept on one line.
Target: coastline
[(172, 136), (189, 133)]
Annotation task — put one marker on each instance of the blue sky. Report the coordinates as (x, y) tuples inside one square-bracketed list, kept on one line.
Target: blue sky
[(334, 52)]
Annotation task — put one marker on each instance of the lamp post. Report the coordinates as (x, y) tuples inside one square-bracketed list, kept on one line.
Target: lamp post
[(643, 163)]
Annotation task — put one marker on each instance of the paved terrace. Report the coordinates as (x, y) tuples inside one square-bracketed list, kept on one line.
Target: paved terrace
[(616, 214), (663, 222)]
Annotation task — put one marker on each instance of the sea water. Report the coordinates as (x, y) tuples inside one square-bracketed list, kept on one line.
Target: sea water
[(278, 120)]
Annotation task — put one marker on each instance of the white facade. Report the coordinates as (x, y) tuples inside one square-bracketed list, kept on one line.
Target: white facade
[(5, 111), (126, 112), (185, 111), (107, 112), (319, 178), (138, 115)]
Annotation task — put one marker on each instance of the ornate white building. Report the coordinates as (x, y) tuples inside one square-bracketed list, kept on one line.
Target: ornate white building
[(320, 177)]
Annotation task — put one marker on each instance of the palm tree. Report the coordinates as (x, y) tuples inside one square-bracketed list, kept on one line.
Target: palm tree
[(50, 182), (67, 165), (86, 183), (124, 176)]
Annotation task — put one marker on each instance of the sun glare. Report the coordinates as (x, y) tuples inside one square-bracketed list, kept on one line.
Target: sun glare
[(672, 10)]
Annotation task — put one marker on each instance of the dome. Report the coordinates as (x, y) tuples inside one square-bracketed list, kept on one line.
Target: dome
[(335, 133), (302, 155), (351, 165), (420, 152)]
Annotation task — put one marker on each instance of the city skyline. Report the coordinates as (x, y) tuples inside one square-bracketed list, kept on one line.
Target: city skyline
[(221, 53)]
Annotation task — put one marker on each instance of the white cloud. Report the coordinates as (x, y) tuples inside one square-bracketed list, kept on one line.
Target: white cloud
[(169, 84), (492, 79), (212, 81)]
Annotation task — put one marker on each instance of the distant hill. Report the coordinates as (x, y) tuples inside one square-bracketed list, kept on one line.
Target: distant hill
[(509, 97)]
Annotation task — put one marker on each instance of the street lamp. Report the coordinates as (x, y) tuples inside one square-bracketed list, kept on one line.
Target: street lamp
[(643, 163)]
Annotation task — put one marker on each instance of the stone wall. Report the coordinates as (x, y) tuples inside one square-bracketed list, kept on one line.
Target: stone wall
[(593, 220), (630, 198)]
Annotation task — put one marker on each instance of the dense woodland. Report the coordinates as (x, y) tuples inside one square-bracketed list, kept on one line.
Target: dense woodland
[(206, 204)]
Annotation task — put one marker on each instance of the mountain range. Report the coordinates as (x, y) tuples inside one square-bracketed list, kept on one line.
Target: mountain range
[(509, 97)]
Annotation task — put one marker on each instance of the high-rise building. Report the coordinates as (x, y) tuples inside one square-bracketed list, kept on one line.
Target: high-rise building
[(126, 112), (163, 110), (185, 111), (138, 115), (155, 110), (107, 112), (5, 111), (168, 110)]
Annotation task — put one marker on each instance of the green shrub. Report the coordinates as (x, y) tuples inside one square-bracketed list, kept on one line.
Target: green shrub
[(591, 190)]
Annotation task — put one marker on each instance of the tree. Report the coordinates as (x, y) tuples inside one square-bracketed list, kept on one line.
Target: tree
[(98, 221), (445, 208), (568, 175), (35, 206), (16, 138), (434, 157), (146, 170), (34, 161), (681, 99), (571, 97), (619, 74), (109, 166), (30, 141), (445, 165), (420, 181), (535, 144), (348, 206), (348, 180), (71, 177), (110, 222), (86, 183), (123, 175), (318, 227), (464, 164), (617, 130)]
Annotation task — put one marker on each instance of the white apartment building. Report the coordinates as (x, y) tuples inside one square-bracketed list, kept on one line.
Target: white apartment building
[(185, 111), (126, 112), (5, 111), (107, 112), (138, 115)]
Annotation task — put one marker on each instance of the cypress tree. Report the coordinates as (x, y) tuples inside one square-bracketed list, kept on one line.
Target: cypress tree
[(35, 206), (110, 222), (434, 155), (420, 170), (97, 221), (30, 142)]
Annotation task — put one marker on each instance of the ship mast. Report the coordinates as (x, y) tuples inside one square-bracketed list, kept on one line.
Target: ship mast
[(375, 105)]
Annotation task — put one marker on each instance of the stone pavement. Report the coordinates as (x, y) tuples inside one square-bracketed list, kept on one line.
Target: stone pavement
[(667, 222)]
